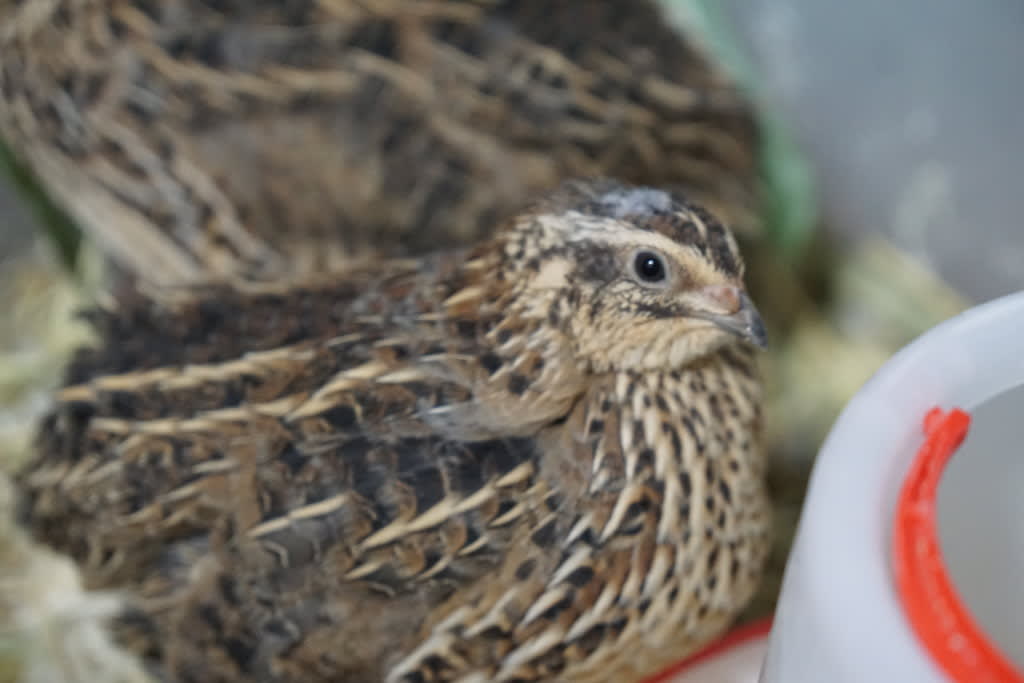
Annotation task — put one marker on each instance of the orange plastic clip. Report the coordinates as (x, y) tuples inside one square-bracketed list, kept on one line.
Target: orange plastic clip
[(931, 602)]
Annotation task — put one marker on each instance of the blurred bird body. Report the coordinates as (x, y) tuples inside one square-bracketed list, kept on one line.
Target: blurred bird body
[(536, 459), (197, 140)]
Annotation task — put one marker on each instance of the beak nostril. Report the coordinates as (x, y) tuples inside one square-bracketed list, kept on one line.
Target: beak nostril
[(728, 297)]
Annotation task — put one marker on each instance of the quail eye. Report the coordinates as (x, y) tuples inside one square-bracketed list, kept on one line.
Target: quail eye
[(649, 267)]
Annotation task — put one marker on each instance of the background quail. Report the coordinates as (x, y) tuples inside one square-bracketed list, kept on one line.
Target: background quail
[(193, 139)]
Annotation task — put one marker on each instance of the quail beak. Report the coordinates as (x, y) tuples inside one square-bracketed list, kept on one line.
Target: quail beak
[(743, 320)]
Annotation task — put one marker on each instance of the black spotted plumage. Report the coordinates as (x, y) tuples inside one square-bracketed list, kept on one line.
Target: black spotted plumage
[(415, 472)]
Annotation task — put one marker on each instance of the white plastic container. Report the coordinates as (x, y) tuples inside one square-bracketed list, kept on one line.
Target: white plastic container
[(840, 616)]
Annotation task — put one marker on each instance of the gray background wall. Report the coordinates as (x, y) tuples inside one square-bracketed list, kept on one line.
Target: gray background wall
[(913, 113)]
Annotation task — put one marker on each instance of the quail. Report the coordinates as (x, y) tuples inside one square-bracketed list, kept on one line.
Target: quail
[(536, 458), (197, 140)]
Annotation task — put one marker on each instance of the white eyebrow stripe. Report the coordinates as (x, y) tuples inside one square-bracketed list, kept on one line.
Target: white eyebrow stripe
[(609, 231)]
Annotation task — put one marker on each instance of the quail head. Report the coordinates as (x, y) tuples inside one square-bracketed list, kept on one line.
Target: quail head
[(536, 459)]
